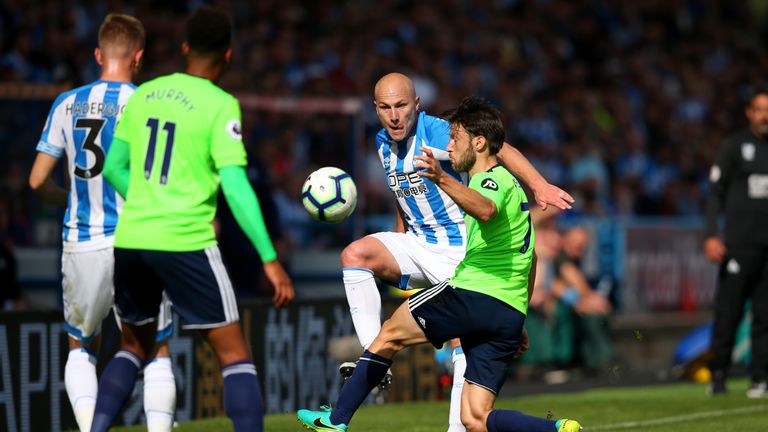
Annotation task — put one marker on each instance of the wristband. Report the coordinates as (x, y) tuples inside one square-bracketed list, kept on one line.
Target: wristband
[(571, 296)]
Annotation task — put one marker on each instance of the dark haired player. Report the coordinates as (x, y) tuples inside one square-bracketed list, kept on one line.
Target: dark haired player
[(178, 138), (739, 187), (492, 280)]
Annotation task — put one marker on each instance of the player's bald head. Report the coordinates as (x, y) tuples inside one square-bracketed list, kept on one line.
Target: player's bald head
[(394, 85)]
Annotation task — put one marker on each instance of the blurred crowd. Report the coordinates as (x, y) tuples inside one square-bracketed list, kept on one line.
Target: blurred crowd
[(621, 103)]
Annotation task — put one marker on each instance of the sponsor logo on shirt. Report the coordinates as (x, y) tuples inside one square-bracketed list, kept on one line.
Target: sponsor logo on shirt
[(406, 185), (757, 186), (489, 184)]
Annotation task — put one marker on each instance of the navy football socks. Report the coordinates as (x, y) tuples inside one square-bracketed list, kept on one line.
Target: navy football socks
[(515, 421), (242, 396), (370, 369), (115, 386)]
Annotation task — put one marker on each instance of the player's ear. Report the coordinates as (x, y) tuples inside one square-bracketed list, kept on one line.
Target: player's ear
[(228, 55), (97, 56), (479, 142), (185, 48), (137, 57), (418, 101)]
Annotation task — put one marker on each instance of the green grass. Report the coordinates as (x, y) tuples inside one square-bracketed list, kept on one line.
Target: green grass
[(608, 409)]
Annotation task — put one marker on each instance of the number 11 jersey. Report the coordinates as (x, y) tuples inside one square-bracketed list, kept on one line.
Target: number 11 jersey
[(181, 130)]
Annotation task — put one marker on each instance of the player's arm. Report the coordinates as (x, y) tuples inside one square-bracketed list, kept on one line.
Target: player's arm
[(117, 167), (544, 193), (245, 208), (719, 177), (471, 201), (41, 182)]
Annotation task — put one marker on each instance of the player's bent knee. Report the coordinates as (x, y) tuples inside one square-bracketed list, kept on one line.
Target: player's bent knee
[(474, 420), (389, 337), (472, 424), (355, 255)]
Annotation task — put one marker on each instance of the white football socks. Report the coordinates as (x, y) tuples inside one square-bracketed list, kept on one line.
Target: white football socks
[(364, 303), (454, 414), (82, 385), (159, 395)]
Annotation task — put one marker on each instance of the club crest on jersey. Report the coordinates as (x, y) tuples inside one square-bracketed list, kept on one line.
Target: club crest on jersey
[(748, 151), (489, 184), (234, 129), (715, 173)]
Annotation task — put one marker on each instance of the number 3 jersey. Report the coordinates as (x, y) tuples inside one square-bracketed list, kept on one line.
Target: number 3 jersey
[(181, 130), (430, 214), (80, 125)]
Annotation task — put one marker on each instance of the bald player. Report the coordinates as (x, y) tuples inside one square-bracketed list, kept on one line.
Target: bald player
[(430, 236)]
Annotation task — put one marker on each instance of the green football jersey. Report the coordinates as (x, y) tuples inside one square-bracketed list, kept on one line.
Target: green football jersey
[(499, 252), (180, 130)]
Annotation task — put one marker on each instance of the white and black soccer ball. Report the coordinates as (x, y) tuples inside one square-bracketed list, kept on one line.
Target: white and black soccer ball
[(329, 195)]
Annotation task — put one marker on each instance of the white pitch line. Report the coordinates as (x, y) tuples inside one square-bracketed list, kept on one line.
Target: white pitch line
[(678, 419)]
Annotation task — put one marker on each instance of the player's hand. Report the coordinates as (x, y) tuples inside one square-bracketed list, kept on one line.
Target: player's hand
[(281, 281), (714, 249), (548, 194), (430, 166), (524, 344)]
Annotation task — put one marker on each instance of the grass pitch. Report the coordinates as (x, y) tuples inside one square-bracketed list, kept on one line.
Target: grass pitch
[(675, 407)]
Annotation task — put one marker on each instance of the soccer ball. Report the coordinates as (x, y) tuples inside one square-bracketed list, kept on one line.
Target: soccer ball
[(329, 195)]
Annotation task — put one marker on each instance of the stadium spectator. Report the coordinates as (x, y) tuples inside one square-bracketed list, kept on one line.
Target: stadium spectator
[(548, 321), (590, 308), (567, 319), (648, 87), (739, 190)]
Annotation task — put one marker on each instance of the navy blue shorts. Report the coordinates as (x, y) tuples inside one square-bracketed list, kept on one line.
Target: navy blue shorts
[(196, 283), (489, 329)]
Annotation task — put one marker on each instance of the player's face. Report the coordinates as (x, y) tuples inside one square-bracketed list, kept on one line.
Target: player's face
[(460, 149), (757, 114), (397, 113)]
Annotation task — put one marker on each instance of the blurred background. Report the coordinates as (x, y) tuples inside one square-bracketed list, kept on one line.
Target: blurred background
[(621, 103)]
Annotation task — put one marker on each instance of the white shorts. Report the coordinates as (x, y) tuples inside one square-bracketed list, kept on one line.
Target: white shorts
[(421, 265), (88, 294)]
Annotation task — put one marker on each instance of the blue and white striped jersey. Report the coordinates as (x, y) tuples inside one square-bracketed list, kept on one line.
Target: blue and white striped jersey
[(80, 124), (429, 212)]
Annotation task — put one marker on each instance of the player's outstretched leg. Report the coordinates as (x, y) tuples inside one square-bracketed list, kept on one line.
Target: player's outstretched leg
[(370, 370)]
